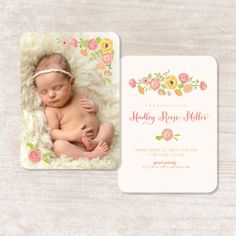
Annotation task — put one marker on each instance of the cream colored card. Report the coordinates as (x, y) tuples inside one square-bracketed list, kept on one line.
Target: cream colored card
[(169, 124)]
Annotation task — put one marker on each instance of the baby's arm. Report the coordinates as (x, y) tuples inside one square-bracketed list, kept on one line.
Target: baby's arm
[(54, 125), (89, 105), (57, 134)]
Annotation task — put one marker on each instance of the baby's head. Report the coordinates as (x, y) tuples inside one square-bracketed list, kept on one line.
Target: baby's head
[(53, 80)]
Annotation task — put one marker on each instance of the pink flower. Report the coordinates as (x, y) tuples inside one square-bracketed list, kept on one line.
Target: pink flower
[(167, 134), (92, 44), (155, 84), (183, 77), (34, 156), (132, 83), (203, 85), (145, 80), (74, 43), (107, 58)]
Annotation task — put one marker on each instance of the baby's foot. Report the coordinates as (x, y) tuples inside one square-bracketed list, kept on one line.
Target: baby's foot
[(89, 143), (100, 151)]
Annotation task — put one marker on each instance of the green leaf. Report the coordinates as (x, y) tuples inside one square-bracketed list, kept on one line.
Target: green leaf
[(30, 145), (163, 86), (47, 160), (98, 39), (177, 135), (190, 79), (158, 137), (108, 80), (181, 86), (175, 138), (84, 43), (47, 154), (149, 76)]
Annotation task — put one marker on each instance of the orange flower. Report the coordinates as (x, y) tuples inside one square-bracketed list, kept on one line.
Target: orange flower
[(141, 90), (101, 66), (178, 92), (188, 88), (84, 52)]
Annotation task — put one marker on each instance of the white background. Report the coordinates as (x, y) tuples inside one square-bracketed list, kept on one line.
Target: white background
[(90, 202)]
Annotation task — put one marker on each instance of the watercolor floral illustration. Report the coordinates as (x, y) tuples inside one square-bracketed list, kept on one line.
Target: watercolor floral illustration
[(166, 84), (35, 155), (167, 134), (100, 49)]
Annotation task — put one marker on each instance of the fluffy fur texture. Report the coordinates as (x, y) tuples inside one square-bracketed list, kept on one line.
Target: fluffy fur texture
[(34, 126)]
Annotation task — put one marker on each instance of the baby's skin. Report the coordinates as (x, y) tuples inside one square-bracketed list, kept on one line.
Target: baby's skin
[(72, 119)]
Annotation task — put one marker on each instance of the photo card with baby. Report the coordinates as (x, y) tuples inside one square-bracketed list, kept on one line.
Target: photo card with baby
[(169, 124), (70, 100)]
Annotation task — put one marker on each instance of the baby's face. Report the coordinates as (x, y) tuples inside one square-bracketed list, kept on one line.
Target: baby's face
[(55, 89)]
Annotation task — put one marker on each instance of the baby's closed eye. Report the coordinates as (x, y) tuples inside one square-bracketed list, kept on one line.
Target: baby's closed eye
[(58, 87), (44, 91)]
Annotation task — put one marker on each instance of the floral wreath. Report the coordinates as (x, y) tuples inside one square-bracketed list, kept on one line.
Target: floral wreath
[(164, 84), (95, 49)]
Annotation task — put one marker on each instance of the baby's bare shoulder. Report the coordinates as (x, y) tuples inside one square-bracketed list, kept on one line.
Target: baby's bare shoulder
[(51, 112)]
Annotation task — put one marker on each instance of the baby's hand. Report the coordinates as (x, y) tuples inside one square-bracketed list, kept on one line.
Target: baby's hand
[(88, 105), (77, 133)]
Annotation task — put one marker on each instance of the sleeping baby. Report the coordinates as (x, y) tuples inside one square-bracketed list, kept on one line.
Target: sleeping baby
[(72, 118)]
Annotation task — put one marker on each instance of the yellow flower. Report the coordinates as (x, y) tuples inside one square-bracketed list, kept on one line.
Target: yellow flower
[(141, 90), (106, 45), (171, 82)]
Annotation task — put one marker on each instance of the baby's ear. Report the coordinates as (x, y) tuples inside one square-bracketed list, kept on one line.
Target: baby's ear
[(72, 80)]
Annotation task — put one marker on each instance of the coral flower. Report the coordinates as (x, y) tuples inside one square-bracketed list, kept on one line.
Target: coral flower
[(34, 156), (155, 84), (167, 134), (203, 85), (107, 58), (92, 44), (132, 83)]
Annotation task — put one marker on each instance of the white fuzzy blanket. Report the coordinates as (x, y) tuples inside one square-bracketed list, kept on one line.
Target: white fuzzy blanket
[(34, 130)]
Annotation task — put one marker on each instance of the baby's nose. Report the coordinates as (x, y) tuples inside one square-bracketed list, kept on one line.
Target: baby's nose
[(51, 94)]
